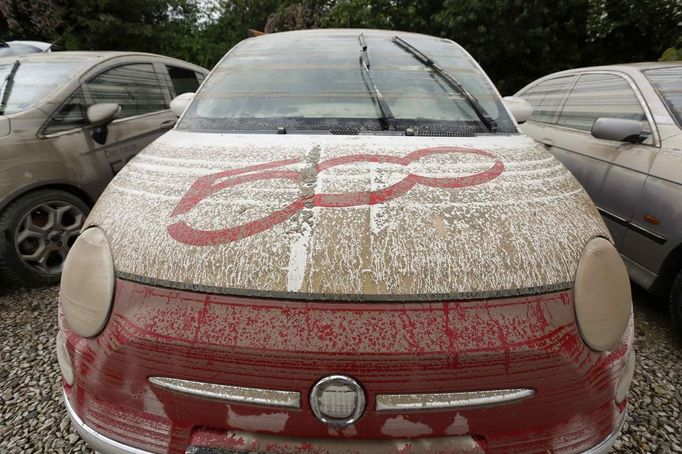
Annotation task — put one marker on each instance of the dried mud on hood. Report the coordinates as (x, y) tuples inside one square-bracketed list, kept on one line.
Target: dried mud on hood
[(347, 217)]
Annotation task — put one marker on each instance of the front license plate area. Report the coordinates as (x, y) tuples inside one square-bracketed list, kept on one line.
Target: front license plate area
[(209, 450)]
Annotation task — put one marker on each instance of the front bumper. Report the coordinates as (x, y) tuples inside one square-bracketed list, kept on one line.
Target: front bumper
[(105, 445), (391, 349)]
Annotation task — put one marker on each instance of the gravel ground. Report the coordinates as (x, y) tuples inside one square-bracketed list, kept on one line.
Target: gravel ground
[(33, 419)]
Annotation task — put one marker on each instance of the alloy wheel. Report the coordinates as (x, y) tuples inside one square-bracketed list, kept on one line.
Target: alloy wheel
[(46, 233)]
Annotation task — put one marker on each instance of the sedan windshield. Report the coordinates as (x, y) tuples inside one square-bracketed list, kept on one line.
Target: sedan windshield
[(17, 49), (668, 82), (315, 81), (33, 81)]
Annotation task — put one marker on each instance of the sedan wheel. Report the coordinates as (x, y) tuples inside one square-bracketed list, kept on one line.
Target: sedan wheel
[(43, 226)]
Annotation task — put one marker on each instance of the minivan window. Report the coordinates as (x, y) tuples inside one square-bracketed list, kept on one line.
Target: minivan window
[(71, 114), (668, 83), (183, 80), (34, 81), (600, 95), (134, 87), (315, 85), (546, 98)]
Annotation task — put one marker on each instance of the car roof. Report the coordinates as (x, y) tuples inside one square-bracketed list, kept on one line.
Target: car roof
[(624, 67), (281, 38), (84, 56), (341, 32)]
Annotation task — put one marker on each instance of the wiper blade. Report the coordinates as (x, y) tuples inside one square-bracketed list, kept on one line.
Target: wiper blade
[(481, 113), (8, 84), (386, 114)]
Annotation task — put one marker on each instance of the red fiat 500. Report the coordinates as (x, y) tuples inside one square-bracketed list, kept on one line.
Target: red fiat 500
[(345, 245)]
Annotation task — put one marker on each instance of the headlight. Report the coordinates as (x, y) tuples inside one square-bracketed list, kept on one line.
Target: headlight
[(87, 286), (603, 301)]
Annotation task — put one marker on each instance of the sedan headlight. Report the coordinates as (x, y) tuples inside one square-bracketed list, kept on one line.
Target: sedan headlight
[(603, 301), (87, 286)]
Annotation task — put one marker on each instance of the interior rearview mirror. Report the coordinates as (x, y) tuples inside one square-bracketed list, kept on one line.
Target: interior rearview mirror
[(99, 116), (519, 108), (619, 129), (180, 103)]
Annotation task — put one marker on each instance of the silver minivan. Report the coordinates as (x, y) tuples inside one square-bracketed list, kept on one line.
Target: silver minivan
[(617, 128), (69, 121)]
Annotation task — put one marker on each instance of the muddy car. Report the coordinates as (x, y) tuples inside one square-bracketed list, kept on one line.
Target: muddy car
[(345, 245), (69, 121)]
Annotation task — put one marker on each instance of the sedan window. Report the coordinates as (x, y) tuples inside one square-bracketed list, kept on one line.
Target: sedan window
[(134, 87), (600, 95), (70, 115), (183, 80), (668, 82), (546, 98)]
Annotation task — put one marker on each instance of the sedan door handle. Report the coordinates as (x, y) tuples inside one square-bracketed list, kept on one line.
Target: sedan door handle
[(167, 123)]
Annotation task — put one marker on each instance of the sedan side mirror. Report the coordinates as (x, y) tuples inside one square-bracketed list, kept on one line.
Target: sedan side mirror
[(519, 108), (99, 116), (619, 129), (180, 103)]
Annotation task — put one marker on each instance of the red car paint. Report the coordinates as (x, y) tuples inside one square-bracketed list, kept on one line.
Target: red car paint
[(208, 185), (524, 342)]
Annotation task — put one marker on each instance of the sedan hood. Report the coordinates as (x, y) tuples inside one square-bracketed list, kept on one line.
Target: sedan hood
[(347, 217)]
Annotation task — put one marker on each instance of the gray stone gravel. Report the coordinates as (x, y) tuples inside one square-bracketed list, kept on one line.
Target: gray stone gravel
[(33, 419)]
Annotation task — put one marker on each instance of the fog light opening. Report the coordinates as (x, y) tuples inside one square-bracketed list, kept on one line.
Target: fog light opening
[(625, 379), (64, 360)]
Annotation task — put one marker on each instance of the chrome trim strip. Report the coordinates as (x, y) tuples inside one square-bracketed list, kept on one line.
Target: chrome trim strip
[(236, 394), (632, 226), (96, 440), (605, 445), (442, 401)]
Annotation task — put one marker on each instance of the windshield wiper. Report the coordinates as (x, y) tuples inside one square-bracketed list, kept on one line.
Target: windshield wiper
[(386, 114), (481, 113), (8, 84)]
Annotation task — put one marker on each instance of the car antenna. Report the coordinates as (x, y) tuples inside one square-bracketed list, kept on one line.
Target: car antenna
[(386, 114), (481, 113)]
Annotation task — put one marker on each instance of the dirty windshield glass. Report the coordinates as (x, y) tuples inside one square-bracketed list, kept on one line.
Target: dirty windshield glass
[(17, 49), (33, 81), (314, 81), (668, 82)]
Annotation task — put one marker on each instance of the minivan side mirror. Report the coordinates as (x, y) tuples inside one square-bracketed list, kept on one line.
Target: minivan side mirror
[(99, 116), (180, 103), (519, 108), (619, 129)]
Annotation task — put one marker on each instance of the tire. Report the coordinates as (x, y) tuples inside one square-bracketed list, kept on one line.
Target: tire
[(676, 308), (36, 231)]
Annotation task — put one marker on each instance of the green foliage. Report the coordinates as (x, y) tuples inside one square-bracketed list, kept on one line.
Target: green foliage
[(633, 30), (516, 41), (673, 53)]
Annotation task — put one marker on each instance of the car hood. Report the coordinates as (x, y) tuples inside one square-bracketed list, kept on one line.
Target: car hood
[(347, 217)]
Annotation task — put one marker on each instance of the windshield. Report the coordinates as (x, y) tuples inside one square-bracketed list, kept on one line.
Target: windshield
[(668, 83), (314, 81), (17, 49), (33, 81)]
